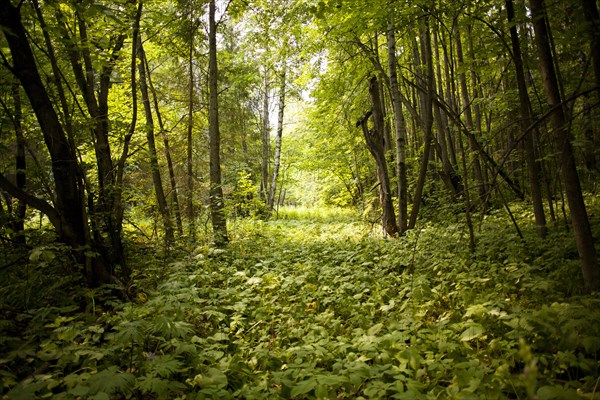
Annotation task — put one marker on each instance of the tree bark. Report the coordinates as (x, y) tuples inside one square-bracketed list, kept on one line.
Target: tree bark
[(579, 217), (427, 104), (161, 200), (163, 132), (265, 142), (533, 167), (68, 213), (216, 189), (20, 166), (399, 127), (191, 214), (95, 84), (277, 159), (464, 91), (375, 143)]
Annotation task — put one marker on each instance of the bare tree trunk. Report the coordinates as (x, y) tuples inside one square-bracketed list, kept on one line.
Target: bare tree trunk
[(427, 100), (400, 128), (525, 106), (449, 174), (217, 205), (277, 159), (591, 152), (266, 142), (20, 165), (163, 131), (161, 200), (67, 215), (375, 144), (191, 214), (477, 170), (579, 217)]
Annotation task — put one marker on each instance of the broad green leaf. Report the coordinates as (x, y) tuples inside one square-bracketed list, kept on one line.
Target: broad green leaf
[(304, 387), (472, 332)]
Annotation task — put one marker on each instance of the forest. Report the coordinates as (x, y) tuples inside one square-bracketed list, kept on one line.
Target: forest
[(299, 199)]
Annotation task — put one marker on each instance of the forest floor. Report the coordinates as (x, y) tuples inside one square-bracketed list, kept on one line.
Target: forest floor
[(315, 305)]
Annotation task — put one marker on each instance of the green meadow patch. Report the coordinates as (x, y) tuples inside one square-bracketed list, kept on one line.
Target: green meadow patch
[(311, 305)]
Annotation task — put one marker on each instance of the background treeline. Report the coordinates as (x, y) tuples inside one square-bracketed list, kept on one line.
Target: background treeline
[(109, 128)]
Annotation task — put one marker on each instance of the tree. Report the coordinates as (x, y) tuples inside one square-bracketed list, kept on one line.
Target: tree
[(277, 159), (399, 126), (68, 214), (374, 139), (562, 138), (153, 156), (533, 166), (216, 189)]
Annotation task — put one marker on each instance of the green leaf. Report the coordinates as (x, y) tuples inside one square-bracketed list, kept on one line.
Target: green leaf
[(375, 329), (304, 387), (111, 381), (472, 332)]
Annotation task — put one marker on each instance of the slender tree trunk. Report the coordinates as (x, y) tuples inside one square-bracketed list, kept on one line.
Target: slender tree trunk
[(399, 127), (477, 170), (277, 159), (21, 165), (427, 100), (163, 132), (191, 214), (592, 16), (216, 189), (266, 142), (579, 218), (161, 199), (375, 143), (449, 174), (533, 167)]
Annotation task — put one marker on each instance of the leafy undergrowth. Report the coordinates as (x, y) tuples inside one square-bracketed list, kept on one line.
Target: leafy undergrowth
[(313, 306)]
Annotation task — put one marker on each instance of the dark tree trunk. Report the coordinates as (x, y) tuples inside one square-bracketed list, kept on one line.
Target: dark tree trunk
[(427, 95), (163, 132), (20, 165), (562, 137), (216, 189), (191, 212), (533, 167), (375, 143), (477, 170), (161, 199), (68, 214)]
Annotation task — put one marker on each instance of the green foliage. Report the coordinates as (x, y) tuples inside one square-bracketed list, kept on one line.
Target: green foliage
[(244, 201), (314, 305)]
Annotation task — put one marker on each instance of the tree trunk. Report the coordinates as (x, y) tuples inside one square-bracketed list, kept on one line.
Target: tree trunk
[(464, 91), (579, 218), (161, 200), (266, 143), (533, 167), (427, 100), (216, 189), (591, 152), (21, 165), (191, 214), (68, 214), (375, 143), (449, 174), (277, 159), (399, 127), (163, 132)]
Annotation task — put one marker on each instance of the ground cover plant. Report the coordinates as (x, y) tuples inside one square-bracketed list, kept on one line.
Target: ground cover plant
[(312, 305)]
